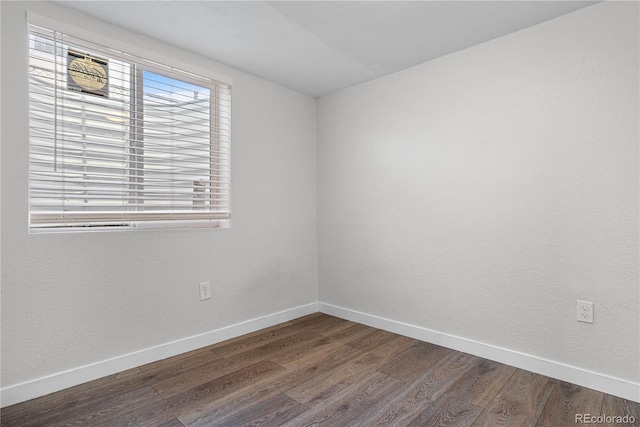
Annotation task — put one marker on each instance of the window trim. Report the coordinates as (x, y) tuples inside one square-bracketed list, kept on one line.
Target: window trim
[(194, 219)]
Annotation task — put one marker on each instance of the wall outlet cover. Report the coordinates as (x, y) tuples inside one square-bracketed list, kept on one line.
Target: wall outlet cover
[(205, 291), (585, 311)]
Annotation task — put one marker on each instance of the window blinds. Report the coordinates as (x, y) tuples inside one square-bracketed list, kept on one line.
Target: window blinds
[(116, 140)]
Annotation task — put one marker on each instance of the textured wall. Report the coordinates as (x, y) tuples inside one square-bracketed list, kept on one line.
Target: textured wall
[(73, 299), (481, 194)]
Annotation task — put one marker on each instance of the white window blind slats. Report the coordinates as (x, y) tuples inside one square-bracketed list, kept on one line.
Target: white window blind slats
[(155, 149)]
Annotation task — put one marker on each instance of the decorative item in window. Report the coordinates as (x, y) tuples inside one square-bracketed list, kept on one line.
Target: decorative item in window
[(87, 74)]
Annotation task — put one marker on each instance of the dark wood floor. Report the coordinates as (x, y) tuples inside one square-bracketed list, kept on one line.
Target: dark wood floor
[(320, 370)]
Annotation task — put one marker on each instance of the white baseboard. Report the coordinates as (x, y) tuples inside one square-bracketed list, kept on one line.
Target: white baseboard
[(604, 383), (42, 386)]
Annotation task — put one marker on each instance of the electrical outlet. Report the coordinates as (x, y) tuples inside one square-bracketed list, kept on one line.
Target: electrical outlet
[(585, 311), (205, 291)]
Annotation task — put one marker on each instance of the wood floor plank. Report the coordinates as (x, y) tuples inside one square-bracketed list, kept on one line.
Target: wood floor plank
[(284, 417), (191, 399), (567, 400), (72, 398), (347, 402), (321, 323), (327, 323), (184, 361), (372, 340), (415, 361), (277, 348), (482, 383), (347, 332), (166, 371), (423, 391), (309, 318), (264, 412), (339, 331), (246, 336), (373, 400), (304, 359), (391, 349), (203, 374), (295, 353), (113, 413), (322, 387), (616, 406), (171, 423), (278, 383), (256, 340), (375, 405), (319, 370), (319, 352), (520, 402), (85, 395), (318, 335), (447, 411), (107, 409)]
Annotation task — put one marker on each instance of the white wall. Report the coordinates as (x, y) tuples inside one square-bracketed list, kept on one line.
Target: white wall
[(481, 194), (478, 195), (69, 300)]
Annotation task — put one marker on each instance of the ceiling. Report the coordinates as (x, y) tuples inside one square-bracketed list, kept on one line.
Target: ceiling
[(319, 47)]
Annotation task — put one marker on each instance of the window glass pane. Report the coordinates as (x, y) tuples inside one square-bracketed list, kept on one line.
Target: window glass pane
[(176, 142), (149, 147)]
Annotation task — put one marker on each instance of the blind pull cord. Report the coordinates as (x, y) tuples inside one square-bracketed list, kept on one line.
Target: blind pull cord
[(55, 102)]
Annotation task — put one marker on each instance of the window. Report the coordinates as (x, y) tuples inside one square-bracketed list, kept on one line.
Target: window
[(117, 141)]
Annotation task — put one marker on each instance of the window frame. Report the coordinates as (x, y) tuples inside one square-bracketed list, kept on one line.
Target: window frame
[(183, 219)]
